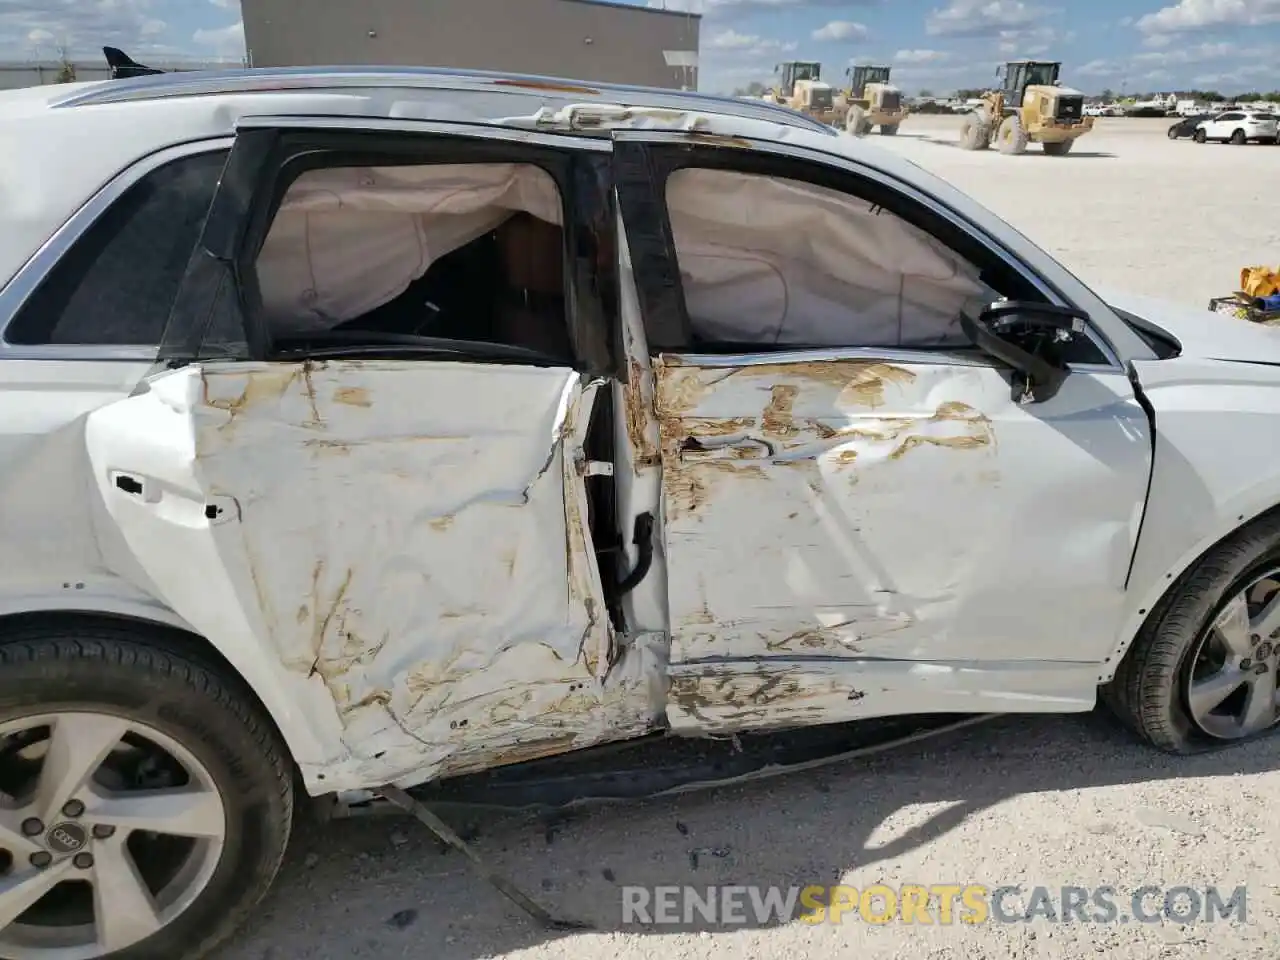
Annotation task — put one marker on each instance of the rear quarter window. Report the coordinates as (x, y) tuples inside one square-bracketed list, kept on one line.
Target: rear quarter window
[(117, 283)]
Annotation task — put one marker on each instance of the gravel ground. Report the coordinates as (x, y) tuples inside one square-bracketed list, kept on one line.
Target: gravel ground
[(1067, 801), (1127, 207)]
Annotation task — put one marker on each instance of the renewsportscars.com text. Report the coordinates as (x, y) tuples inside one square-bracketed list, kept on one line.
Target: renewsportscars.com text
[(928, 904)]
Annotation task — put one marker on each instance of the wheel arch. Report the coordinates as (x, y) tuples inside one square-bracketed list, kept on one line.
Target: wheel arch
[(1157, 595), (159, 627)]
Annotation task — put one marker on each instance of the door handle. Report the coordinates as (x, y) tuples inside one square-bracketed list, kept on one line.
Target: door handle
[(131, 485)]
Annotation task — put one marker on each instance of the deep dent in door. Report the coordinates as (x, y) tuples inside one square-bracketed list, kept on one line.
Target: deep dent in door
[(873, 510), (409, 541)]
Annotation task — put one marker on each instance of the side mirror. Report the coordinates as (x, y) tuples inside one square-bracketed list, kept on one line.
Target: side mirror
[(1025, 335)]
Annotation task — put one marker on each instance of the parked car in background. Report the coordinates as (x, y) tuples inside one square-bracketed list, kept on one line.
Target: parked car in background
[(380, 428), (1187, 126), (1238, 127)]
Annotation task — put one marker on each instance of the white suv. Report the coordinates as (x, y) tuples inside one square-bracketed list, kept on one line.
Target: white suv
[(363, 429), (1238, 127)]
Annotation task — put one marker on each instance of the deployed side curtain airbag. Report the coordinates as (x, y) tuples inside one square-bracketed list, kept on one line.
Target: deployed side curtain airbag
[(347, 240), (774, 261)]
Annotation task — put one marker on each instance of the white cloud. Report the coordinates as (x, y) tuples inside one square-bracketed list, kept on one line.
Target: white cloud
[(226, 42), (983, 18), (1099, 68), (920, 56), (1250, 75), (730, 42), (716, 6), (1198, 14), (1023, 51), (39, 27), (840, 30)]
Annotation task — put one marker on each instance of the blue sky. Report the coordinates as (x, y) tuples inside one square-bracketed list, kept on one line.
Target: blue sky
[(1136, 45)]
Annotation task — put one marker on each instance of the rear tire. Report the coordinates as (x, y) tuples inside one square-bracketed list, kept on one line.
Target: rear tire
[(1149, 692), (1011, 137), (82, 685), (1239, 138), (888, 129), (1059, 149), (1200, 136)]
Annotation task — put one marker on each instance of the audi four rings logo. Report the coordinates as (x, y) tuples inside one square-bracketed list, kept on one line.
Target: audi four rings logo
[(67, 837)]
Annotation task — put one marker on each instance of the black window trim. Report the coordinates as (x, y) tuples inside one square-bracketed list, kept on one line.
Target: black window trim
[(642, 166), (275, 151), (19, 289)]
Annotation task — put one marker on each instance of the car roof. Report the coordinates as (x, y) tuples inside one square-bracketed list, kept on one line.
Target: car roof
[(213, 82)]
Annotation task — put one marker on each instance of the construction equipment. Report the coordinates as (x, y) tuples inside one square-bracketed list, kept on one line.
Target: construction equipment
[(1030, 106), (871, 101), (801, 88)]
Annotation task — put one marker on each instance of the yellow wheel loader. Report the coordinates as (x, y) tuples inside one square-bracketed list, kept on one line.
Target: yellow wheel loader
[(800, 87), (871, 101), (1030, 106)]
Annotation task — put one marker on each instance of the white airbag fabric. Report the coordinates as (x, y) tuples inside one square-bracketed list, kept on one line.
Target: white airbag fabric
[(773, 261), (349, 239)]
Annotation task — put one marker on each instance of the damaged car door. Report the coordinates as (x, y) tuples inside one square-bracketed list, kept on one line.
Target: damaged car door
[(396, 516), (863, 514)]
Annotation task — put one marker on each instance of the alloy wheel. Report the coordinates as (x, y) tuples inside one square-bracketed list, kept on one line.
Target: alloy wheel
[(1231, 687), (109, 829)]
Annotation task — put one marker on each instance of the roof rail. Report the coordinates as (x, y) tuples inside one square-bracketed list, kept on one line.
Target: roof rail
[(157, 85)]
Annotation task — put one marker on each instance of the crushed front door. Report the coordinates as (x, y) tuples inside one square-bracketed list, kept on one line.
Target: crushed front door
[(407, 539), (854, 536)]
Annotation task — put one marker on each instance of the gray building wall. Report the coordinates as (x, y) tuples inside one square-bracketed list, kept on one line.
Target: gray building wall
[(580, 39)]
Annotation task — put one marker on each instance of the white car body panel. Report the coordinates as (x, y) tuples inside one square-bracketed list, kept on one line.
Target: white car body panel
[(1215, 407), (1218, 129)]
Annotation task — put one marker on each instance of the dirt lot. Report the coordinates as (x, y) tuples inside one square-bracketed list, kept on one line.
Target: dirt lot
[(1127, 207), (1040, 802)]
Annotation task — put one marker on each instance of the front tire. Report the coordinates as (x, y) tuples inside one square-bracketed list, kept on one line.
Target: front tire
[(1202, 671), (1200, 136), (1011, 136), (162, 795), (1173, 132), (855, 121)]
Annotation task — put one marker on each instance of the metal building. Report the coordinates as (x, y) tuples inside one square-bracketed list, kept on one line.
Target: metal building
[(583, 39)]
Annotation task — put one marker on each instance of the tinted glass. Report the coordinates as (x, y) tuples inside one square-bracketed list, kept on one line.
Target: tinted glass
[(117, 283)]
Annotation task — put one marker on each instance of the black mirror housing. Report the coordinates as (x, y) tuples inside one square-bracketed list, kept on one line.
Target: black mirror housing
[(1000, 330)]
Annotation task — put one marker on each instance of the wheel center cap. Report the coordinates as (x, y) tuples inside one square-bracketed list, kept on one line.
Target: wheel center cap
[(1264, 650), (66, 837)]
